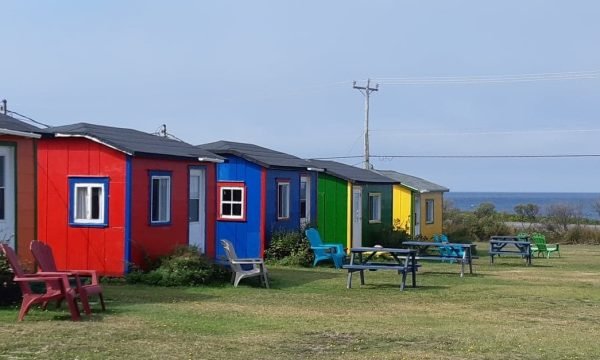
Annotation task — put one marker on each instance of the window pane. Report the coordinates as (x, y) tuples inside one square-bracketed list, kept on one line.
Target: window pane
[(237, 210), (164, 200), (95, 206), (237, 195), (226, 209), (2, 172), (155, 199), (194, 187), (303, 209), (81, 203), (194, 210), (303, 190), (227, 194), (2, 205)]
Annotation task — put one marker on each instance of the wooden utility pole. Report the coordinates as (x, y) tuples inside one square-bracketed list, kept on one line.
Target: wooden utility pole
[(366, 91)]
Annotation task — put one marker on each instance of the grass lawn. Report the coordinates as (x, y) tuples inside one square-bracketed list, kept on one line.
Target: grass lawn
[(506, 311)]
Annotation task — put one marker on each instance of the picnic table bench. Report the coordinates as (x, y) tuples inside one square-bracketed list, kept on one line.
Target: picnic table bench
[(461, 253), (510, 245), (404, 262)]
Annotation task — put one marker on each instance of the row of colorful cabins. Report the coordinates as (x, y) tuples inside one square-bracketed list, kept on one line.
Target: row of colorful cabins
[(106, 198)]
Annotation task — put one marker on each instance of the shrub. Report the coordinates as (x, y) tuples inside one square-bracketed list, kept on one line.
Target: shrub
[(184, 267), (479, 225), (9, 290), (388, 236), (289, 248)]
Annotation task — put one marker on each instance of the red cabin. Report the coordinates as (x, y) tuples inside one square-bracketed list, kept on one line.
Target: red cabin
[(110, 197), (17, 185)]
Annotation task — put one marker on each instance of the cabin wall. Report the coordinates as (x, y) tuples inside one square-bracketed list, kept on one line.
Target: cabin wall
[(332, 209), (245, 234), (372, 230), (292, 223), (429, 229), (153, 240), (402, 207), (80, 247), (25, 153)]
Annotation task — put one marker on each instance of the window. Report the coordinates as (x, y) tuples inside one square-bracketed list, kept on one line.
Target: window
[(374, 207), (160, 197), (304, 200), (232, 201), (283, 199), (429, 211), (89, 201)]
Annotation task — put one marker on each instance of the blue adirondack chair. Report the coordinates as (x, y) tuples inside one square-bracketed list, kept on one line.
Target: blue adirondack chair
[(448, 251), (333, 252)]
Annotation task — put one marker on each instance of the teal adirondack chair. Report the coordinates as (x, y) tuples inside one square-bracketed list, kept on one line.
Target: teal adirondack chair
[(333, 252), (539, 240), (447, 251)]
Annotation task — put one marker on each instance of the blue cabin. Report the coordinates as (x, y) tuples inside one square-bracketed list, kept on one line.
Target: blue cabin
[(259, 192)]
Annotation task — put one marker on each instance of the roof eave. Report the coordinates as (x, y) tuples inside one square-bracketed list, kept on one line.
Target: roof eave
[(20, 133), (94, 139)]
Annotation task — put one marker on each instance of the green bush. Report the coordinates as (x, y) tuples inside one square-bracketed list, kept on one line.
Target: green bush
[(289, 248), (184, 267), (9, 290), (478, 225)]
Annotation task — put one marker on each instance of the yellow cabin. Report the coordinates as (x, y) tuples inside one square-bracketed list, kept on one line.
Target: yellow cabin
[(417, 204)]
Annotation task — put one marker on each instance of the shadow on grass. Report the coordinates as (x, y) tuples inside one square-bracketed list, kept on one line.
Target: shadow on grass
[(282, 278)]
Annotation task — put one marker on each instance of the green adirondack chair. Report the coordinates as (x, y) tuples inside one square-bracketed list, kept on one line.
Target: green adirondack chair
[(541, 247)]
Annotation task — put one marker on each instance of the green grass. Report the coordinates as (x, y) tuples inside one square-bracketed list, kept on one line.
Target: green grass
[(509, 311)]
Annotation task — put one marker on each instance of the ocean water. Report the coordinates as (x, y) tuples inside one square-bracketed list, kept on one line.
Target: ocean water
[(506, 201)]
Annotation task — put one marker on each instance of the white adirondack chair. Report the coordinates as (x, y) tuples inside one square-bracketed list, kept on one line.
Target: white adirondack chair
[(243, 268)]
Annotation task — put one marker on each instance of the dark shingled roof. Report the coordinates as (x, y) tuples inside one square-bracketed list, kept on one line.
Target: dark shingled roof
[(413, 182), (351, 173), (10, 123), (256, 154), (134, 142)]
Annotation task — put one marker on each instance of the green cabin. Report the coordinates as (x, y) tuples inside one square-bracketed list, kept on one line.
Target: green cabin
[(354, 205)]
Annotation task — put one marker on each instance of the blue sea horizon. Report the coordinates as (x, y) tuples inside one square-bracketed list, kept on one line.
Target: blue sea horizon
[(506, 201)]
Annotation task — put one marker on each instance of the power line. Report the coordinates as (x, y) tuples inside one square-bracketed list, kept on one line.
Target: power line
[(489, 79), (464, 156)]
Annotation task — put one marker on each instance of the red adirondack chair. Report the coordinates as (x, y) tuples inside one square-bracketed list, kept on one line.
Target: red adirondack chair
[(45, 260), (57, 286)]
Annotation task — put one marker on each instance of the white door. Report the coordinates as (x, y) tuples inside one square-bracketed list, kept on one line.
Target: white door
[(356, 216), (417, 221), (304, 200), (7, 195), (197, 207)]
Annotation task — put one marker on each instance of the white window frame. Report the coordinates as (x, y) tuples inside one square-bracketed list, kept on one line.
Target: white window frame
[(374, 207), (167, 204), (87, 219), (283, 200), (429, 211), (242, 202)]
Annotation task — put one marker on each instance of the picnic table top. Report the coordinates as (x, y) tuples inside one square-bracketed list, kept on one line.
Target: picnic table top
[(433, 243), (381, 249)]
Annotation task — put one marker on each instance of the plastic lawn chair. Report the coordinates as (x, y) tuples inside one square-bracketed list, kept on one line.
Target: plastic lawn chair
[(57, 287), (541, 247), (243, 268), (333, 252)]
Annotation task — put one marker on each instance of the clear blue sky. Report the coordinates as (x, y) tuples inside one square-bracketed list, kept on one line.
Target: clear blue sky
[(279, 74)]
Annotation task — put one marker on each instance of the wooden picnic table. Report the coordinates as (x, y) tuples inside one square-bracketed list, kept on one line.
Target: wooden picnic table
[(462, 253), (510, 245), (403, 262)]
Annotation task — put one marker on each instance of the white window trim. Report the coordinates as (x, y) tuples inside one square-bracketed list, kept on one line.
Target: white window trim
[(88, 203), (429, 208), (232, 202), (168, 200), (284, 213), (371, 211)]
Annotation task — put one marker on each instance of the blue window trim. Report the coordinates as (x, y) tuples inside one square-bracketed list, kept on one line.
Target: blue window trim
[(151, 174), (74, 180)]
